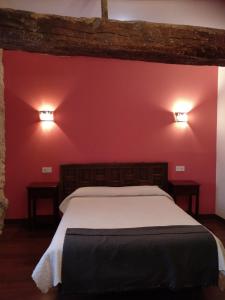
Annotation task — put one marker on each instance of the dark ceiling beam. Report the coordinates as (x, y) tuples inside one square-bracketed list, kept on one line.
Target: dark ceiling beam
[(67, 36)]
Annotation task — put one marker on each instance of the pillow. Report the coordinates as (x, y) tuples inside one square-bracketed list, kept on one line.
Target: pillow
[(106, 191)]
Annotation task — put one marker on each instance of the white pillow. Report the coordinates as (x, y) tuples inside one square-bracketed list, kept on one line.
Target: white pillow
[(106, 191)]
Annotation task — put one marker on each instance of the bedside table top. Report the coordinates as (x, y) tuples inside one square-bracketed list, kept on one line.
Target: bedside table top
[(183, 183), (38, 184)]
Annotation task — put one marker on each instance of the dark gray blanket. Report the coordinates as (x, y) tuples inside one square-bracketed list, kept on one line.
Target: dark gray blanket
[(115, 260)]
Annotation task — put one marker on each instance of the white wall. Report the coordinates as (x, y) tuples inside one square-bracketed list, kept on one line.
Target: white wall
[(74, 8), (220, 174), (208, 13)]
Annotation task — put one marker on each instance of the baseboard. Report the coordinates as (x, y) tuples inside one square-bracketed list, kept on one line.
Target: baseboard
[(16, 221), (211, 217), (207, 216), (220, 219), (44, 218)]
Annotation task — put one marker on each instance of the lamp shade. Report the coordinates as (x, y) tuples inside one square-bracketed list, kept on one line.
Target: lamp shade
[(181, 117), (46, 115)]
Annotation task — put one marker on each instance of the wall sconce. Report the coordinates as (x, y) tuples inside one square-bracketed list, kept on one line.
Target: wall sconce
[(46, 115), (181, 116)]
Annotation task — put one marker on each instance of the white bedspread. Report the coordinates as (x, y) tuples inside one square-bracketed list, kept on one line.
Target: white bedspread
[(110, 212)]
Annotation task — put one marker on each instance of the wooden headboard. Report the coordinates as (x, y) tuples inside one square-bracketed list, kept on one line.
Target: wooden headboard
[(73, 176)]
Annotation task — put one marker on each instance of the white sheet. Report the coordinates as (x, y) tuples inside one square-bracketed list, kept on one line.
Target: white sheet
[(108, 212)]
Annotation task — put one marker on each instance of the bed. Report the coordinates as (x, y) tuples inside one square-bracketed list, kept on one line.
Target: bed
[(127, 203)]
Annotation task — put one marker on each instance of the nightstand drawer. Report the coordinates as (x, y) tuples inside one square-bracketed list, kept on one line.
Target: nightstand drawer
[(42, 193), (184, 190)]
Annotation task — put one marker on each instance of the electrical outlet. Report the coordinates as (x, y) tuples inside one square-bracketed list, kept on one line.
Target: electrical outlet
[(180, 168), (46, 170)]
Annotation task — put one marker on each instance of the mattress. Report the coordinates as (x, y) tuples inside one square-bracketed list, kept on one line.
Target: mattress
[(152, 207)]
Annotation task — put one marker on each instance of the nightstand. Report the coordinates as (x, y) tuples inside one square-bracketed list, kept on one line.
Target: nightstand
[(42, 190), (187, 188)]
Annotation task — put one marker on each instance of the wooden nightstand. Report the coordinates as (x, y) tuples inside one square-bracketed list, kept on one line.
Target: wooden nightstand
[(42, 190), (186, 188)]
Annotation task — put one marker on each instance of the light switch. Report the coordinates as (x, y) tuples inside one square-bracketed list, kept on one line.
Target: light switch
[(46, 170), (180, 168)]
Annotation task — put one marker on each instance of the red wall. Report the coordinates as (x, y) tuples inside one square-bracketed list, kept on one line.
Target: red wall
[(106, 111)]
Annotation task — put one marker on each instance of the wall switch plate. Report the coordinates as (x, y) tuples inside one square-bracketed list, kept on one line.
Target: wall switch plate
[(180, 168), (46, 170)]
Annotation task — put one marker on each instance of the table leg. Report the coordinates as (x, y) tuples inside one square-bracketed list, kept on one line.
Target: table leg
[(55, 209), (175, 198), (29, 210), (33, 212), (197, 204), (190, 205)]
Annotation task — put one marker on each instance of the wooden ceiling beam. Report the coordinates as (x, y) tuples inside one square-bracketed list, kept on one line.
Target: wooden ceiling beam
[(104, 6), (67, 36)]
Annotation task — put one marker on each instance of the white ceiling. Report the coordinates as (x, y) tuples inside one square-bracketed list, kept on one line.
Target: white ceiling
[(210, 13)]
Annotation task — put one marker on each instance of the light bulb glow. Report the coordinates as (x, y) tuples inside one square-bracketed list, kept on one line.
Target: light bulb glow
[(181, 117), (46, 115)]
